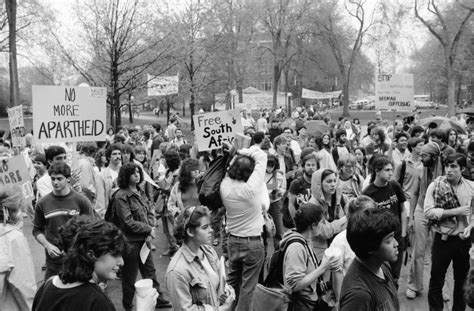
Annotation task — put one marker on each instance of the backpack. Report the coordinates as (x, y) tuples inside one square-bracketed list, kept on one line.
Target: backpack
[(275, 271), (210, 183)]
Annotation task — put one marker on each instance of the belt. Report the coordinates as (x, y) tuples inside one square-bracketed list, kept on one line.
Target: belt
[(248, 238)]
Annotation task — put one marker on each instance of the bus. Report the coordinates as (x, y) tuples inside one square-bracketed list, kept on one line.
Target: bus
[(423, 102)]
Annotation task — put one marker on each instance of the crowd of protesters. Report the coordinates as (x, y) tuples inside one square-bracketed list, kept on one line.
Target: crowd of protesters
[(361, 202)]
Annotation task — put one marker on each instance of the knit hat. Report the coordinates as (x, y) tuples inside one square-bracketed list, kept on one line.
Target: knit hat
[(431, 148)]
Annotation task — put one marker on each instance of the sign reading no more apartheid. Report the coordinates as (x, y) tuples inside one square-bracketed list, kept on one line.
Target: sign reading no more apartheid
[(212, 129), (69, 114), (394, 92)]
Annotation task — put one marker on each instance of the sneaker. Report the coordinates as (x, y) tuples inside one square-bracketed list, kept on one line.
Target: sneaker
[(411, 294), (162, 303)]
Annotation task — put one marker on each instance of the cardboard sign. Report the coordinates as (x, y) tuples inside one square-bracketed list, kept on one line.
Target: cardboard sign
[(394, 92), (212, 129), (161, 86), (17, 126), (69, 114), (13, 171)]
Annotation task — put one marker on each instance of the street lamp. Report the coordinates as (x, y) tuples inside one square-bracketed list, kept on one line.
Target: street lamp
[(233, 93)]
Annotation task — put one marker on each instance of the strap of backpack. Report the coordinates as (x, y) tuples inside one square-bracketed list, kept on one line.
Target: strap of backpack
[(403, 169)]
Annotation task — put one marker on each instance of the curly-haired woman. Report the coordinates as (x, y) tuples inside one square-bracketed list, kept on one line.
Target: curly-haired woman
[(194, 276), (94, 254), (136, 220), (185, 192)]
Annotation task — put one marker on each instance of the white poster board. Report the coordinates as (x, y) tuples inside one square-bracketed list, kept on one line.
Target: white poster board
[(212, 129), (69, 113), (161, 86), (17, 126), (394, 92)]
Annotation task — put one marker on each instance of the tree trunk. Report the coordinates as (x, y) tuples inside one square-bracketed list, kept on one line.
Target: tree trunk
[(130, 111), (112, 119), (276, 79), (191, 104), (451, 91), (11, 6), (345, 92)]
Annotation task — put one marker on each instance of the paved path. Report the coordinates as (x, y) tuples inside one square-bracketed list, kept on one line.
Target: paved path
[(161, 263)]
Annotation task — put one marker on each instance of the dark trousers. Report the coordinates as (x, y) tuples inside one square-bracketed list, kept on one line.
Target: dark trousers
[(442, 253), (396, 266), (275, 212), (132, 264)]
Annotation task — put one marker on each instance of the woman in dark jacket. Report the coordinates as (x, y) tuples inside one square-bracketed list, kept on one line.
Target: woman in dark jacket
[(136, 220)]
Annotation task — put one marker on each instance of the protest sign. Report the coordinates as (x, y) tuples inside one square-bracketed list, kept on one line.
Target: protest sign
[(161, 86), (309, 94), (69, 114), (394, 92), (17, 126), (13, 171), (212, 129)]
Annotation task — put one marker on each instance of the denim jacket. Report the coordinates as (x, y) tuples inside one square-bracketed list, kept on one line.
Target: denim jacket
[(17, 273), (134, 213), (187, 281)]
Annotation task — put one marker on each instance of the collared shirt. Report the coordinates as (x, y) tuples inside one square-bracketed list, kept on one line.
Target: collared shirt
[(245, 201), (188, 282), (464, 191), (412, 174), (398, 156)]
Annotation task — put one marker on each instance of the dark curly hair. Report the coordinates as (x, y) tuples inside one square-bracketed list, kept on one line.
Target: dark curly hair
[(242, 168), (189, 219), (111, 148), (172, 160), (127, 170), (92, 239), (185, 179)]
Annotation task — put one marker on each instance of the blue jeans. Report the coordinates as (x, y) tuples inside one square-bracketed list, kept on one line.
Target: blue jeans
[(246, 257)]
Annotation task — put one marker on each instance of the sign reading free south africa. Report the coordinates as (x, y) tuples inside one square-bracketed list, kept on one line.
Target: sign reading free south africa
[(394, 92), (212, 129), (68, 113)]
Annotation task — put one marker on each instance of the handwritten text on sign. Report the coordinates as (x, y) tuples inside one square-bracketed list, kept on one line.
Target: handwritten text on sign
[(13, 171), (212, 129), (394, 92), (69, 114), (17, 125)]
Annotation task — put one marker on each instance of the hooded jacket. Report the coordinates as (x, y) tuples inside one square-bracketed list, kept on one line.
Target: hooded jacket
[(326, 229), (17, 273), (298, 263)]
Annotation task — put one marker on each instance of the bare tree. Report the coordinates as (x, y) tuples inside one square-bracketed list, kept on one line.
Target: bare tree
[(11, 7), (122, 48), (282, 20), (338, 36), (448, 31), (198, 38)]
